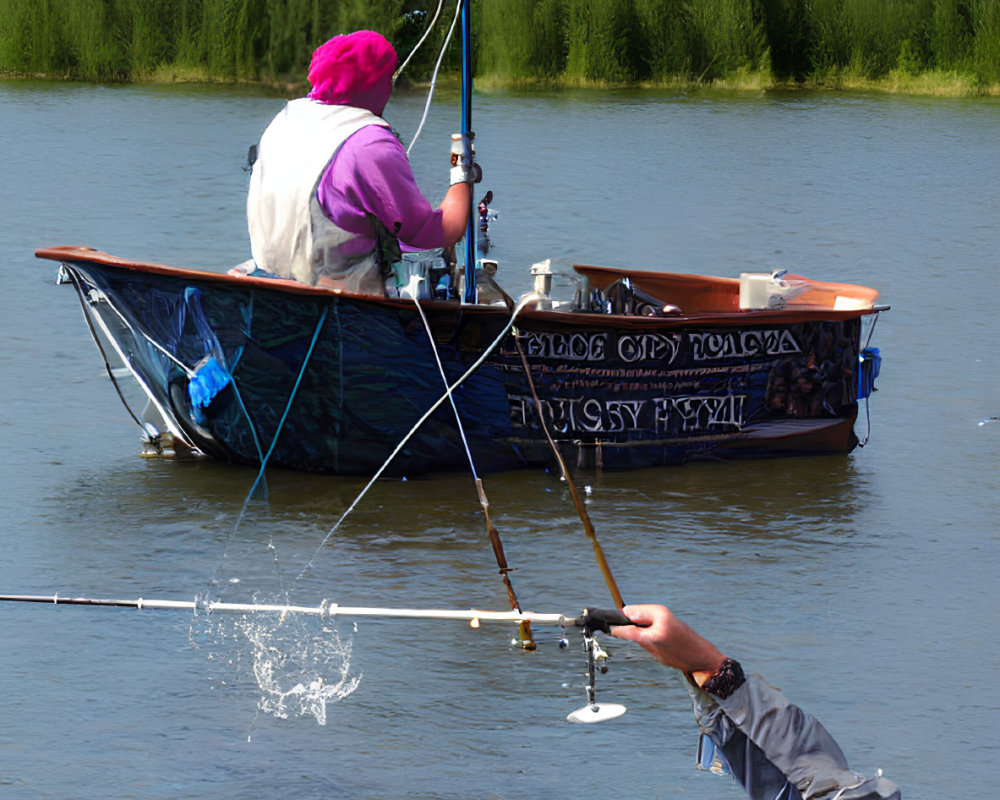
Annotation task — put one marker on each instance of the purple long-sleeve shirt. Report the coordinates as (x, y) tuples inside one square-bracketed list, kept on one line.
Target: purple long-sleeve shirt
[(371, 174)]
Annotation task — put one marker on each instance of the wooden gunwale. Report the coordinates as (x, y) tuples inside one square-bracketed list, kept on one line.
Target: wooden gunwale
[(76, 253)]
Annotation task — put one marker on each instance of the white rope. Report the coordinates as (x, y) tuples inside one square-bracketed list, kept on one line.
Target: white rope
[(454, 407), (416, 47), (149, 339), (93, 315), (437, 67), (529, 298)]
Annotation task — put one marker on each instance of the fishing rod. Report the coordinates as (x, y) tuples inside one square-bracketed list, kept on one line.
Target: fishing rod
[(590, 621), (324, 609), (581, 509), (527, 642)]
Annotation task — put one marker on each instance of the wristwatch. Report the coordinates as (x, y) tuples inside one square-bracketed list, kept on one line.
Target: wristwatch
[(727, 679)]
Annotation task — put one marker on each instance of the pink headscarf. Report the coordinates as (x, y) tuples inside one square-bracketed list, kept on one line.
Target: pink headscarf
[(353, 70)]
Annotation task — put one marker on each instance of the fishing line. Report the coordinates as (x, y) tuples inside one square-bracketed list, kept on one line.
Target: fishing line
[(314, 691), (581, 509), (437, 66), (437, 359), (416, 47), (494, 535), (529, 298)]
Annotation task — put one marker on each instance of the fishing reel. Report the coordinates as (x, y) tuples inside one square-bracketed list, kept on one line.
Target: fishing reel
[(591, 621)]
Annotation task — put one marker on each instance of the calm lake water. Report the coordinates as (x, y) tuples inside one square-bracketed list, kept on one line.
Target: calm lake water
[(865, 586)]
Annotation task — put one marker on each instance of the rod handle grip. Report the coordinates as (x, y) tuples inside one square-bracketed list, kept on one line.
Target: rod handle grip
[(601, 619)]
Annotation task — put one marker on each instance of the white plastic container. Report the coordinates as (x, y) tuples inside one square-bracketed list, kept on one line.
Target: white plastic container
[(759, 290)]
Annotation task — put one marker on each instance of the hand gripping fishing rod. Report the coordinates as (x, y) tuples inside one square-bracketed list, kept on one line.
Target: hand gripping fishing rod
[(589, 621)]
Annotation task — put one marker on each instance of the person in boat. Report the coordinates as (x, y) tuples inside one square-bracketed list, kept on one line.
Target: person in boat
[(772, 748), (332, 193)]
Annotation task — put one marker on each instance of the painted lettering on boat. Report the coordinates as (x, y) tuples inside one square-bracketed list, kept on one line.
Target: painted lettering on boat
[(649, 347), (700, 413), (659, 415), (664, 348), (572, 347), (594, 346), (742, 344)]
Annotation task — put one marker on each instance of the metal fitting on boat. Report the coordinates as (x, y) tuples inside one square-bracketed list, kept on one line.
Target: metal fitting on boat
[(542, 271)]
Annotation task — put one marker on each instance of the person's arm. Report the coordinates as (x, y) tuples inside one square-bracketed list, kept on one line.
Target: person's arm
[(766, 741), (670, 641), (455, 212), (371, 174)]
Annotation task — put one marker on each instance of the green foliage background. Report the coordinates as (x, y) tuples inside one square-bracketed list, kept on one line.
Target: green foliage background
[(821, 42)]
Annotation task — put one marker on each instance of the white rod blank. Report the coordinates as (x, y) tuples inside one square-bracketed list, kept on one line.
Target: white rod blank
[(325, 609)]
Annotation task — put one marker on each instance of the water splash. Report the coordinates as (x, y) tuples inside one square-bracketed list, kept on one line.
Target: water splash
[(292, 674), (982, 422), (300, 665)]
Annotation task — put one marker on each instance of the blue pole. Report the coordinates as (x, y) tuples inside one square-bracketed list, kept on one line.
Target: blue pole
[(470, 231)]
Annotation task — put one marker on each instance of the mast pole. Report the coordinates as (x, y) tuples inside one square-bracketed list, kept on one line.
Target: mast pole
[(470, 231)]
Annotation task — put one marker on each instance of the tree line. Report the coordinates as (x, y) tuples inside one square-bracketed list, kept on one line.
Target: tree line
[(660, 42)]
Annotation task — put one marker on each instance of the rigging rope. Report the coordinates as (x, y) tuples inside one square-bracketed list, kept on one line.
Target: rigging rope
[(277, 432), (284, 416), (493, 345), (868, 413), (93, 332), (498, 552), (75, 279)]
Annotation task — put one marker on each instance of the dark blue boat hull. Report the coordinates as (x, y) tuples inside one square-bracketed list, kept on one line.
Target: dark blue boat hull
[(328, 382)]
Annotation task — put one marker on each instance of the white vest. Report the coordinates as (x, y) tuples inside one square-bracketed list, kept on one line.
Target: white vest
[(290, 235)]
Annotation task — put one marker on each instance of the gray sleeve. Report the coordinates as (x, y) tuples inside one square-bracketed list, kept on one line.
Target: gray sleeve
[(768, 742)]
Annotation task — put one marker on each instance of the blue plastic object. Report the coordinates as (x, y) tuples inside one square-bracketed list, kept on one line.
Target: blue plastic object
[(869, 364), (208, 380)]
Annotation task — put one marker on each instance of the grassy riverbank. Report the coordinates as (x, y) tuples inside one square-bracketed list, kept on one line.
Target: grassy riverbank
[(948, 47)]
